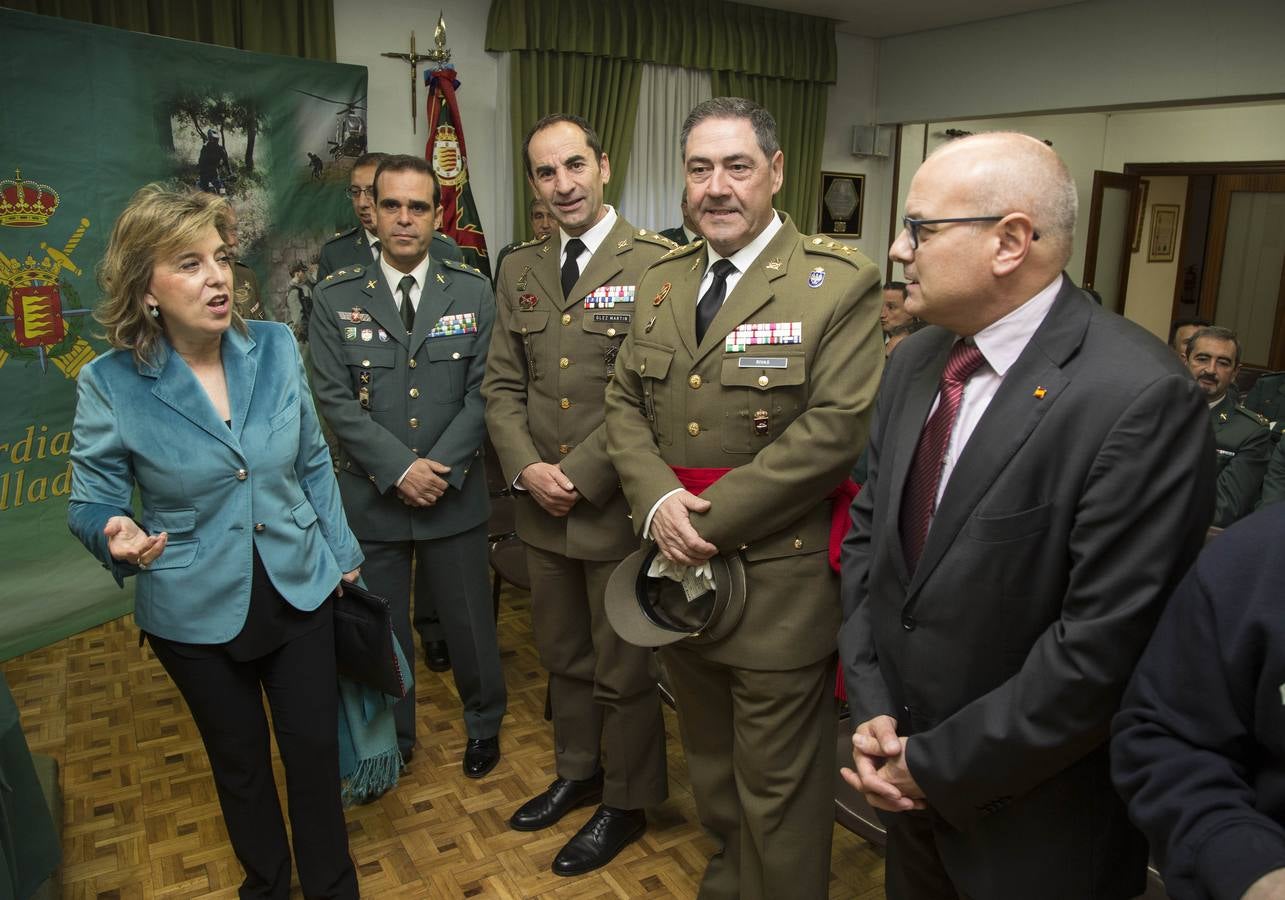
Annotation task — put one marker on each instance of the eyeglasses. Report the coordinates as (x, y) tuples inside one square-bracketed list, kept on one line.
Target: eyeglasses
[(912, 226), (356, 192)]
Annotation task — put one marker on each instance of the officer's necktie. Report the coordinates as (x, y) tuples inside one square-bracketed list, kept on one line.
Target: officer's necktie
[(408, 308), (374, 248), (570, 269), (712, 299), (920, 497)]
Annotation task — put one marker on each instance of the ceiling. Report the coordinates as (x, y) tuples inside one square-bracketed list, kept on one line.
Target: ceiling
[(881, 18)]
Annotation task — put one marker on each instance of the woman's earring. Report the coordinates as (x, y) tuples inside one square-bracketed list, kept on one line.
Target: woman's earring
[(156, 312)]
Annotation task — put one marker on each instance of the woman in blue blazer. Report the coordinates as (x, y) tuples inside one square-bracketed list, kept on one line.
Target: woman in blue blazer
[(241, 538)]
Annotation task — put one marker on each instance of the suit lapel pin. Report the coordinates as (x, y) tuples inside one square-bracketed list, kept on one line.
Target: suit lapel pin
[(650, 323), (441, 279), (370, 285), (1039, 393), (664, 292), (775, 265), (696, 263), (621, 245), (1222, 417)]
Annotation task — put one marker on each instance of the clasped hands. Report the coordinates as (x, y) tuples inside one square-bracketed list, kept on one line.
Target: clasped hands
[(881, 773), (550, 487), (422, 485), (674, 534)]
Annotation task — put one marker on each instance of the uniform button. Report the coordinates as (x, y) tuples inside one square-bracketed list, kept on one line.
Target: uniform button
[(694, 381), (242, 474), (564, 403), (563, 363), (611, 332), (365, 362), (642, 369), (414, 423), (566, 318), (798, 543), (413, 364), (414, 392), (762, 381), (564, 449), (524, 329), (260, 527), (693, 428), (455, 355), (908, 622)]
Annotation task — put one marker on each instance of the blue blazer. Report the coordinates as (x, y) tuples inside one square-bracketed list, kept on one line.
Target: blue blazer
[(267, 482)]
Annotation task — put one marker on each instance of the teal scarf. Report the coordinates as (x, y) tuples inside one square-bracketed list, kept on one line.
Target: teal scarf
[(369, 763)]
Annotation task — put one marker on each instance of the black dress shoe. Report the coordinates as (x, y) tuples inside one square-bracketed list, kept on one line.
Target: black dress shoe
[(480, 756), (436, 656), (562, 796), (598, 841)]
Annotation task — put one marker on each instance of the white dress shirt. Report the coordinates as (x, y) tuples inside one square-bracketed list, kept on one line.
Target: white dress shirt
[(592, 239)]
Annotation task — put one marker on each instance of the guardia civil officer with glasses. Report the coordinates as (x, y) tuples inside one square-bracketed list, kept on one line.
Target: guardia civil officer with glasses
[(398, 351), (359, 245)]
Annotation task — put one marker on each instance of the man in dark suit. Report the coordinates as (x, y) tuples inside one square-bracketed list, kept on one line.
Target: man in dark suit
[(399, 378), (1040, 477)]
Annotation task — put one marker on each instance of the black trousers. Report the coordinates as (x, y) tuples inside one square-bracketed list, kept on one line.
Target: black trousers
[(225, 697)]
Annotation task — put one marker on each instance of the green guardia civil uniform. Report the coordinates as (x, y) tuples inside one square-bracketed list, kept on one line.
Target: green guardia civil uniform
[(390, 398), (1244, 447), (779, 391), (1267, 398), (551, 361), (352, 248)]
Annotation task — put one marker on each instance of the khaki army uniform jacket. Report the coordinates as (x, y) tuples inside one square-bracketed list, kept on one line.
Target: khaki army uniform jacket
[(1244, 446), (246, 294), (551, 360), (781, 391), (390, 397)]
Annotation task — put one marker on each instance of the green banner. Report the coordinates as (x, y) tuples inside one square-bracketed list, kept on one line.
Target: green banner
[(97, 113)]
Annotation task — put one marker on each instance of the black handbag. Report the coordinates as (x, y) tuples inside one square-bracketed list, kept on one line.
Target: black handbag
[(364, 641)]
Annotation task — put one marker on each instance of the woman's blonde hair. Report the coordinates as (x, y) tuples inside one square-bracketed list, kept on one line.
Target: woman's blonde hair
[(158, 222)]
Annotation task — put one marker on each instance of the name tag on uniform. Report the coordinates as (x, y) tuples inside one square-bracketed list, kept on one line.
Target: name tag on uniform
[(762, 362), (760, 333), (611, 317), (448, 326), (609, 295)]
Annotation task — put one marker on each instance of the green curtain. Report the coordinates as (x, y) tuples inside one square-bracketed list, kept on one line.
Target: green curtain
[(693, 34), (601, 89), (799, 108), (302, 28), (586, 57)]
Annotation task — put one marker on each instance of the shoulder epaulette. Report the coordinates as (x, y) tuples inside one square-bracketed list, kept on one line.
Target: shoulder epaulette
[(462, 267), (1257, 417), (342, 234), (826, 247), (348, 273), (655, 237), (681, 250)]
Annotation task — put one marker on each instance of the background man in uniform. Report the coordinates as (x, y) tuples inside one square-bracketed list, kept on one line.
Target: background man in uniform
[(356, 246), (542, 225), (245, 283), (1181, 331), (769, 376), (689, 230), (1040, 478), (1241, 438), (1267, 398), (398, 353), (564, 305), (892, 314)]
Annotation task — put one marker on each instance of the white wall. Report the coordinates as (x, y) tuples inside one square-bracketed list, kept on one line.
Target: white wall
[(1249, 131), (1092, 55), (1149, 295), (852, 102), (366, 28)]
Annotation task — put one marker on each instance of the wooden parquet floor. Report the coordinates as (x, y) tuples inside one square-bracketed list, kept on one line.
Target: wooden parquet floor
[(142, 819)]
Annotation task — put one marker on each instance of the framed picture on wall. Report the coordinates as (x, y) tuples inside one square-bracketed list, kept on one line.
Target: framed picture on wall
[(1164, 232), (1143, 186), (842, 200)]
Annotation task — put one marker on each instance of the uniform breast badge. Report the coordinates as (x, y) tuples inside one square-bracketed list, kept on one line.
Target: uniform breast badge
[(521, 285), (528, 301), (816, 277), (662, 294), (760, 421)]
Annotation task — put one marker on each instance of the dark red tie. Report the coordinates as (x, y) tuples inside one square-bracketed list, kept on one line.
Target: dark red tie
[(920, 498)]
